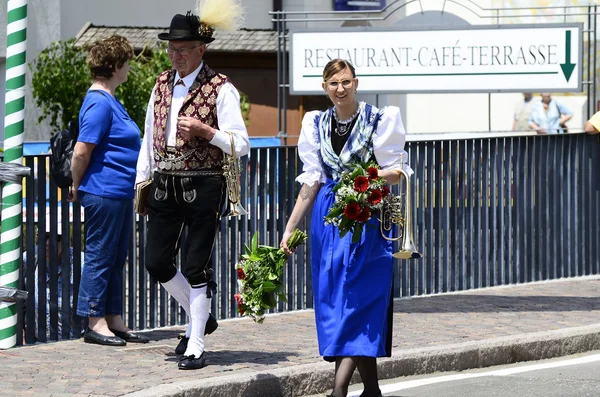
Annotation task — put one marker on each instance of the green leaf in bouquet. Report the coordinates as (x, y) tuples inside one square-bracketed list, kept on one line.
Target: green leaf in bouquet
[(269, 300), (350, 199), (272, 257), (356, 232), (298, 237), (255, 257), (338, 186), (268, 286), (335, 212), (255, 242), (358, 171)]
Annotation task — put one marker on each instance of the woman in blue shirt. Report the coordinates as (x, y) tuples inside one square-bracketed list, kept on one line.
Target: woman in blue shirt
[(103, 169)]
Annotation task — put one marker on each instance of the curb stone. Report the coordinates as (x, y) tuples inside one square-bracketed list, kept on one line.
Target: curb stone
[(307, 379)]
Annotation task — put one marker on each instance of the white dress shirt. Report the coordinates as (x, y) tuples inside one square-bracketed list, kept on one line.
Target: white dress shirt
[(229, 118)]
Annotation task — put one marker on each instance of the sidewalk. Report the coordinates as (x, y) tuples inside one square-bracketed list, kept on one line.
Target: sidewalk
[(280, 357)]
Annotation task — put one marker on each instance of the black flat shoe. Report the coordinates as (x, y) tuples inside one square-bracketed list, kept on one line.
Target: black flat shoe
[(99, 339), (211, 325), (131, 336), (191, 362)]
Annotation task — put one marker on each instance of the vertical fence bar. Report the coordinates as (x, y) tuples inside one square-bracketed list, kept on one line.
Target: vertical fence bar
[(52, 268), (452, 205), (32, 258), (520, 200), (445, 208), (439, 225), (470, 204), (586, 195), (578, 207), (501, 228), (477, 237), (430, 150), (418, 148), (485, 211), (461, 214), (508, 206), (65, 267)]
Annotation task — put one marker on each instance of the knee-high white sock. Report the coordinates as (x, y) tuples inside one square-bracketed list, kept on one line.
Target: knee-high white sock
[(179, 288), (199, 310)]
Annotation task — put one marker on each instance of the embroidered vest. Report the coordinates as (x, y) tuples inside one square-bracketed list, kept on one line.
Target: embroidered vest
[(200, 103)]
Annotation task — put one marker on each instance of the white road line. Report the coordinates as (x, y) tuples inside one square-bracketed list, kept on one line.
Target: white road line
[(390, 388)]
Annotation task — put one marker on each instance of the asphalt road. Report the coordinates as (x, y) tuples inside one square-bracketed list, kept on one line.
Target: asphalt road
[(570, 376)]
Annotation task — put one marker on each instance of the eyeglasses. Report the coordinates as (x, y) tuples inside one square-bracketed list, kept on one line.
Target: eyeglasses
[(183, 51), (333, 85)]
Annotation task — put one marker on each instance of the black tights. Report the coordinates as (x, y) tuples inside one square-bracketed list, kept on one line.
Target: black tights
[(344, 369)]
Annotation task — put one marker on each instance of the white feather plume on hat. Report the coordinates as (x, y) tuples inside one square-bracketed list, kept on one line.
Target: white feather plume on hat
[(221, 14)]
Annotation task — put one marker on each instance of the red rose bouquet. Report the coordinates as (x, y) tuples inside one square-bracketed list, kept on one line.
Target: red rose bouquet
[(259, 277), (358, 196)]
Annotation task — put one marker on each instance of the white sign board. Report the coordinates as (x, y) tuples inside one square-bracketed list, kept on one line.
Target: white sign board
[(516, 58)]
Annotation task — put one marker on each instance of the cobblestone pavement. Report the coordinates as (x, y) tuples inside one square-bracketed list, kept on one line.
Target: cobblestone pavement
[(74, 368)]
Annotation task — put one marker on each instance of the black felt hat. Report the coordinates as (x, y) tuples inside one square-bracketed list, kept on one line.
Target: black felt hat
[(188, 28)]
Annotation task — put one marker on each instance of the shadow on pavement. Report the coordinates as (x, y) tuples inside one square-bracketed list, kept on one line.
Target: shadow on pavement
[(494, 303)]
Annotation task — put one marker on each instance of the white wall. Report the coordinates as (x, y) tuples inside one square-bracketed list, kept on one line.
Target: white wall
[(439, 113)]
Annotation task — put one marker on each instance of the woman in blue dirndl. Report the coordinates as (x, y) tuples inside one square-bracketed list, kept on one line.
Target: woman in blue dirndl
[(352, 282)]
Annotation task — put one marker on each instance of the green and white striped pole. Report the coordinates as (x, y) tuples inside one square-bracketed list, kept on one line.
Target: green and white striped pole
[(10, 238)]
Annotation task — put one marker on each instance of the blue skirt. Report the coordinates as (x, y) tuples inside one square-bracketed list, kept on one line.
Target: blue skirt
[(352, 286)]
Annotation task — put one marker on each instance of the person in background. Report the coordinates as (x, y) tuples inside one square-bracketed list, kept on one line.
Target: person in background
[(549, 116), (352, 282), (193, 114), (522, 113), (592, 126), (103, 169)]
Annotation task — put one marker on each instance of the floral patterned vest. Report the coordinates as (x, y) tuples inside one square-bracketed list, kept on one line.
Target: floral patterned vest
[(200, 103)]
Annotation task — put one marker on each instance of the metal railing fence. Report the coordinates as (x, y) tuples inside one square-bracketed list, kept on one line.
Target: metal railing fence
[(487, 212)]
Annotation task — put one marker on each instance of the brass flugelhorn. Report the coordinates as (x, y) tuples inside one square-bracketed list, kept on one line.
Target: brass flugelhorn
[(397, 210), (231, 171)]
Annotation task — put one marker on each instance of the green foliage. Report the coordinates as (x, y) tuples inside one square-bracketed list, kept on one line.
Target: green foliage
[(259, 276), (60, 80), (245, 107), (136, 91)]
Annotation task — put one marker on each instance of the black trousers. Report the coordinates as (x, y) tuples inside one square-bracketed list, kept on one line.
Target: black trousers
[(175, 202)]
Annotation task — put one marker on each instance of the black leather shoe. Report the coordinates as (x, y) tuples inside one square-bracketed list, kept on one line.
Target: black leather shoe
[(211, 325), (191, 362), (99, 339), (130, 336)]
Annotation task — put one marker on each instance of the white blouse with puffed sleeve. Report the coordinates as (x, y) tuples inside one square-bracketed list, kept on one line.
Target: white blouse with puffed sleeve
[(389, 140), (308, 150)]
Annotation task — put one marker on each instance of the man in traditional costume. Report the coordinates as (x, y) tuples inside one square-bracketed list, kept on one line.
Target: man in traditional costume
[(192, 114)]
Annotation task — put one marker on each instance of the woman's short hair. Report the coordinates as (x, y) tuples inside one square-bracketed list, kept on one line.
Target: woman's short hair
[(335, 66), (107, 55)]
